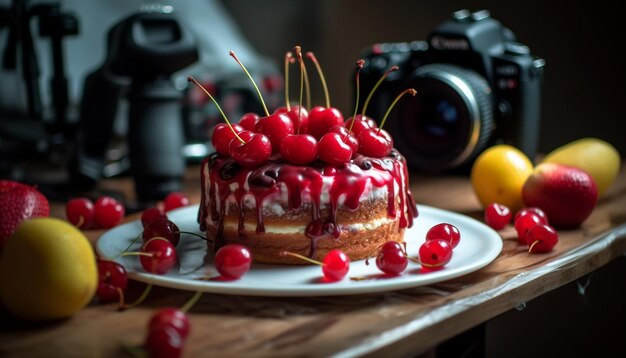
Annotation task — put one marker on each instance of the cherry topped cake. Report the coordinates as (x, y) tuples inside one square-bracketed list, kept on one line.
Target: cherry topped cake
[(305, 182)]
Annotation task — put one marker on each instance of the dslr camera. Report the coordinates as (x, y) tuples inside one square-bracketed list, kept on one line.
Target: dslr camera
[(476, 87)]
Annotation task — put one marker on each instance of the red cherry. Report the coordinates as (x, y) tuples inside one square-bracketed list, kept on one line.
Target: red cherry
[(348, 137), (164, 343), (541, 238), (444, 231), (276, 127), (170, 317), (111, 276), (299, 149), (222, 135), (335, 265), (162, 228), (542, 215), (80, 212), (151, 214), (300, 120), (375, 143), (435, 254), (233, 261), (108, 212), (175, 200), (497, 216), (362, 123), (524, 223), (254, 152), (333, 150), (163, 256), (321, 119), (248, 121), (391, 259)]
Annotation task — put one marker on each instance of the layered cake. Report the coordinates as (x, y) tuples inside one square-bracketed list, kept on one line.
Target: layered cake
[(310, 210), (304, 182)]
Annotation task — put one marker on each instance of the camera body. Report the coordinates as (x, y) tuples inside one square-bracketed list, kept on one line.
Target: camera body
[(476, 86)]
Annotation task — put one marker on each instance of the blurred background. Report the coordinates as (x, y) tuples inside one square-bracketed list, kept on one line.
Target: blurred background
[(580, 42), (584, 76)]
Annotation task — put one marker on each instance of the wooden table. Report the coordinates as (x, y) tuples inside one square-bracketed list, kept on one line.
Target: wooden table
[(400, 323)]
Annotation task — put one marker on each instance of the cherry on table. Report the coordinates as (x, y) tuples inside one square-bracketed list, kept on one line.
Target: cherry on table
[(299, 149), (392, 259), (80, 212), (444, 231), (232, 261), (524, 223), (108, 212), (170, 317), (160, 256), (112, 278), (164, 343), (497, 216), (333, 150), (175, 200), (541, 238), (532, 210)]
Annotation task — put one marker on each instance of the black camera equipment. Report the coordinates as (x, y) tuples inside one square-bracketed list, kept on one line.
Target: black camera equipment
[(476, 86), (55, 24), (144, 50)]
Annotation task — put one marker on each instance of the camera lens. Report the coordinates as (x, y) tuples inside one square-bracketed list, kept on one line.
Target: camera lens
[(448, 122)]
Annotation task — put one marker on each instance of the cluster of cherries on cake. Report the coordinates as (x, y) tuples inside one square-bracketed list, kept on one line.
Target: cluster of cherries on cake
[(298, 135)]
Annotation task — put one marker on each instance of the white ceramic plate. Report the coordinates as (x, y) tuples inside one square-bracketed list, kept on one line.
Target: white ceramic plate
[(478, 247)]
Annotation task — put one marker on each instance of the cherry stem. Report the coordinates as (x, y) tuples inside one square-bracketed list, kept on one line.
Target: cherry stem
[(302, 257), (369, 96), (232, 54), (193, 80), (193, 234), (530, 249), (192, 301), (312, 57), (288, 57), (80, 222), (307, 87), (139, 300), (120, 296), (412, 91), (359, 67), (298, 50), (127, 247), (137, 253)]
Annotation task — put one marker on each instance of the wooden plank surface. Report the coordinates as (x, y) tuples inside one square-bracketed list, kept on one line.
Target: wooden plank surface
[(394, 323)]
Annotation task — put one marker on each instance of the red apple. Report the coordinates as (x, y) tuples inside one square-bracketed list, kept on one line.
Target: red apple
[(567, 195)]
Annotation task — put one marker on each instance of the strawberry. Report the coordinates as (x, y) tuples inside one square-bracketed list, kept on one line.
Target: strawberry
[(6, 185), (17, 203)]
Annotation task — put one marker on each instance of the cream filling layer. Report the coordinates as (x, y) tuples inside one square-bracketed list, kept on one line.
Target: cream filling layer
[(251, 227)]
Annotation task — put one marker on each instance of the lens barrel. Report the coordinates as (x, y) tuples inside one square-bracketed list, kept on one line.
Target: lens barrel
[(448, 122)]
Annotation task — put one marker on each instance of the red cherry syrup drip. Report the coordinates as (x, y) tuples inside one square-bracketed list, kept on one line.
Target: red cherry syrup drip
[(229, 181)]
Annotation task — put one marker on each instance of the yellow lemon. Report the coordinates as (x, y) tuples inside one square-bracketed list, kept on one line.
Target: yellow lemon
[(498, 176), (47, 270), (598, 158)]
